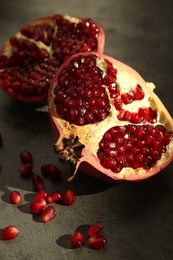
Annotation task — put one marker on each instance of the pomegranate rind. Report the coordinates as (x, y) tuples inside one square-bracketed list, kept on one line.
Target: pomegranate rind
[(90, 135), (6, 50)]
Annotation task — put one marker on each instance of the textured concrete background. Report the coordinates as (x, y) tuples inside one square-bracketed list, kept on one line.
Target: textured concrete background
[(137, 218)]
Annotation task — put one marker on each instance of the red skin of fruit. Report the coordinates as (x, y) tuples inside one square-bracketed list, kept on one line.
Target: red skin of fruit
[(89, 162), (42, 100), (9, 233)]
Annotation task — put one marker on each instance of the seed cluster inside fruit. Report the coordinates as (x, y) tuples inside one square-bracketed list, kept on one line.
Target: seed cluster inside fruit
[(28, 63), (133, 146)]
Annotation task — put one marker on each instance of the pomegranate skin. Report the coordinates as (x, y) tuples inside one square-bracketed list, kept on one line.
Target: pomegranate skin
[(88, 136), (33, 47)]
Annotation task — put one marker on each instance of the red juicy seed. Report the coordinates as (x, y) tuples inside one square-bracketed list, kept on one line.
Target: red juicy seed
[(97, 241), (38, 182), (134, 146), (9, 233), (68, 198), (127, 98), (53, 197), (95, 228), (77, 240), (26, 169), (37, 206), (42, 194), (15, 197), (26, 157), (138, 93), (51, 170), (48, 214)]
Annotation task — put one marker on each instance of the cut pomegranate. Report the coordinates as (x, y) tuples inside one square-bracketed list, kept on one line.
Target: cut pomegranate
[(37, 206), (29, 59), (77, 240), (15, 197), (68, 198), (48, 214), (108, 120), (53, 197), (26, 169), (26, 157), (97, 241), (51, 170), (42, 194), (38, 182), (9, 233), (95, 228)]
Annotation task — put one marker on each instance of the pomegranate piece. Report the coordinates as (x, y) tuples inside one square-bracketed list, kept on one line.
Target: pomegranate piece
[(37, 206), (41, 194), (97, 241), (9, 233), (77, 240), (26, 169), (48, 214), (26, 157), (95, 228), (51, 170), (38, 182), (53, 197), (68, 198), (15, 197), (107, 120), (29, 59)]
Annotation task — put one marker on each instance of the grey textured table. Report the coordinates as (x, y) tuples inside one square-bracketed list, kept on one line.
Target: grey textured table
[(137, 218)]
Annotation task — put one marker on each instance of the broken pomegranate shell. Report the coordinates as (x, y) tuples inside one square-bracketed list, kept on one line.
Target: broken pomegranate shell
[(107, 120), (29, 59)]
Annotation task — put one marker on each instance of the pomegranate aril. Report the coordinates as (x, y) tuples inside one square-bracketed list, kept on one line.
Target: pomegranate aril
[(52, 171), (95, 228), (26, 169), (48, 214), (9, 233), (15, 197), (97, 241), (38, 182), (26, 157), (53, 197), (77, 240), (42, 194), (68, 198), (37, 206)]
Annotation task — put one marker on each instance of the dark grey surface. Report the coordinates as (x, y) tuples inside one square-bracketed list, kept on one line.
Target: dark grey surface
[(137, 218)]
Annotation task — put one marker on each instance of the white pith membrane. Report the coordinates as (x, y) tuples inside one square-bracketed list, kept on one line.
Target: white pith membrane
[(87, 137)]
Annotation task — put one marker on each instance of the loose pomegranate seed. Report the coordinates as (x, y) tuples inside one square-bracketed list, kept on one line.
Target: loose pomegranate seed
[(97, 241), (15, 197), (95, 228), (51, 170), (26, 169), (77, 240), (38, 182), (42, 194), (26, 157), (37, 206), (48, 213), (9, 233), (68, 198), (53, 197)]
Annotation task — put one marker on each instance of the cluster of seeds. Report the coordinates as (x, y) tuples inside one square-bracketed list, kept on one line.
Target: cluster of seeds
[(133, 146)]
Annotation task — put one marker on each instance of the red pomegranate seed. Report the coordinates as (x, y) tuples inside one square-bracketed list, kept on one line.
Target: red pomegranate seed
[(97, 241), (48, 213), (38, 182), (95, 228), (77, 240), (9, 233), (68, 198), (15, 197), (42, 194), (51, 170), (26, 157), (53, 197), (37, 206), (26, 169)]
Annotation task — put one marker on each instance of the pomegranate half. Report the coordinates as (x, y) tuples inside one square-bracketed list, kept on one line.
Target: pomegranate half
[(107, 119), (29, 59)]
